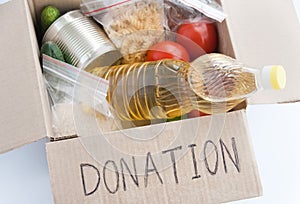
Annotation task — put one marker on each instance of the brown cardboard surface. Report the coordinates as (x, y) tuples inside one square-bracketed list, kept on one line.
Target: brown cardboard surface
[(88, 170), (23, 113), (263, 33)]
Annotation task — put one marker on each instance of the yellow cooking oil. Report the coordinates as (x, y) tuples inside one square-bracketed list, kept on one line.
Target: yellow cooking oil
[(149, 90), (213, 83), (220, 83)]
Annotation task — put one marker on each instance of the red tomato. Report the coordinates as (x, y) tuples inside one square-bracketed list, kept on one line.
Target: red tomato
[(198, 38), (196, 113), (167, 50)]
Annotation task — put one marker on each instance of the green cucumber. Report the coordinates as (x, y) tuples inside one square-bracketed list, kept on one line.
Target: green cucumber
[(51, 49), (48, 16)]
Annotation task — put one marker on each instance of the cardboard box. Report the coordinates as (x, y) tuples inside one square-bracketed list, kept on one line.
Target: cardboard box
[(83, 171)]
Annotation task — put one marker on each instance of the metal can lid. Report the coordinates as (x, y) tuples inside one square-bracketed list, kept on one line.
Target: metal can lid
[(101, 59)]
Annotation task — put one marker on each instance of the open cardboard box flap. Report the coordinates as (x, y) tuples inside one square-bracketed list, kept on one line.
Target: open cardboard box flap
[(25, 117), (24, 103)]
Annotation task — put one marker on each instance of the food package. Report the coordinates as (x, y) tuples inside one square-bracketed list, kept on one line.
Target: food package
[(71, 92), (133, 26)]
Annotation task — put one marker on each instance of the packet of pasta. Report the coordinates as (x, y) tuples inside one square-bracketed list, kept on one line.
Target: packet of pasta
[(132, 25)]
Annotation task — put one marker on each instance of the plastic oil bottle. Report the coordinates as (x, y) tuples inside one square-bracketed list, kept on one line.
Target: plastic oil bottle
[(165, 89)]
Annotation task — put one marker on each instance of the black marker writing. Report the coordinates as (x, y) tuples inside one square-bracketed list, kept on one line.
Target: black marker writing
[(134, 177), (172, 154), (85, 166), (109, 179), (147, 170)]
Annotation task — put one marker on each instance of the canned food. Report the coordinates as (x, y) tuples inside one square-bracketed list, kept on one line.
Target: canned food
[(83, 43)]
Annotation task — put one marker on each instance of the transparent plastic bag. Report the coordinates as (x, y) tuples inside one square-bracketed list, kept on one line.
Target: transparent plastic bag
[(177, 13), (132, 25), (69, 89), (182, 11), (210, 8)]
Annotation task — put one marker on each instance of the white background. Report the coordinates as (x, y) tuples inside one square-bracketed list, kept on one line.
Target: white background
[(275, 131)]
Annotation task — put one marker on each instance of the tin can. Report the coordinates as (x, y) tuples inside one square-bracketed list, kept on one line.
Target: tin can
[(83, 43)]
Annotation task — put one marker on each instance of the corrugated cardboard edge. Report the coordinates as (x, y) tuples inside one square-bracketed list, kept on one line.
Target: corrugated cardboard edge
[(291, 101), (32, 10), (259, 185), (42, 88)]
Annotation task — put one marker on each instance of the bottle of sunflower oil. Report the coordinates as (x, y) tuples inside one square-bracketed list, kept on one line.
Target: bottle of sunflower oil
[(213, 83), (221, 82)]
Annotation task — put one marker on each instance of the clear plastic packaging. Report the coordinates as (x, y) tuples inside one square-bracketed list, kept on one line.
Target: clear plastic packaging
[(62, 80), (146, 91), (132, 25), (213, 83), (178, 12), (210, 8), (220, 79)]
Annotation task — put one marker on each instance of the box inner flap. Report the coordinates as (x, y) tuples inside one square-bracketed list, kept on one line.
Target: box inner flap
[(22, 117), (264, 33)]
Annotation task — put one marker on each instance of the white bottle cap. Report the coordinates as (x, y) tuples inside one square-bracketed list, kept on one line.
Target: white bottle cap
[(273, 77)]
